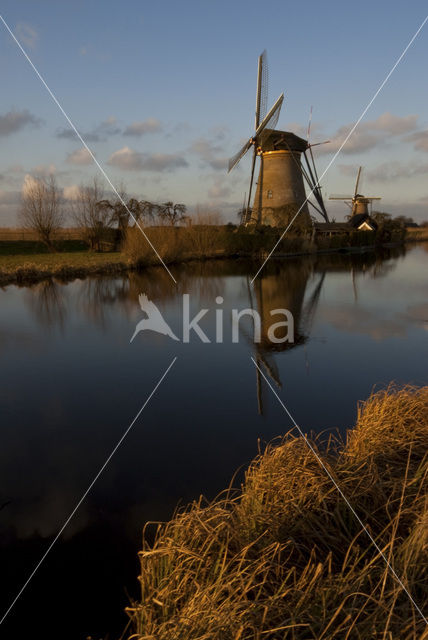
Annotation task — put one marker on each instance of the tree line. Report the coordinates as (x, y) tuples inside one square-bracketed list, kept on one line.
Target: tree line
[(44, 210)]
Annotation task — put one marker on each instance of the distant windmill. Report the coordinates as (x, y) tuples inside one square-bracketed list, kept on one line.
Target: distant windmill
[(357, 203), (280, 189)]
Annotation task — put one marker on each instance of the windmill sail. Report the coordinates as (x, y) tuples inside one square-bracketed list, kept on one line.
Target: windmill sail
[(358, 181), (236, 158), (262, 89), (269, 121)]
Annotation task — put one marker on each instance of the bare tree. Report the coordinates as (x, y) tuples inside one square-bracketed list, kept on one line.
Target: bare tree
[(91, 218), (172, 214), (147, 212), (119, 209), (41, 208)]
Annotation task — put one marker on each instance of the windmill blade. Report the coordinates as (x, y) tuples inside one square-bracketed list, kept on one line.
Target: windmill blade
[(262, 89), (341, 198), (358, 181), (372, 198), (253, 166), (270, 120), (309, 125), (317, 144), (236, 158)]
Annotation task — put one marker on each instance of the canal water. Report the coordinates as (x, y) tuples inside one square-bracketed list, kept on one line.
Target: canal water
[(72, 383)]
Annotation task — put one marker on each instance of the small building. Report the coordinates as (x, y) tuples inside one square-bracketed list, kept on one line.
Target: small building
[(362, 222), (358, 222)]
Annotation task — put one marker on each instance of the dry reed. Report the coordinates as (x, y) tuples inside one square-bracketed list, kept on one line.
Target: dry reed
[(285, 558)]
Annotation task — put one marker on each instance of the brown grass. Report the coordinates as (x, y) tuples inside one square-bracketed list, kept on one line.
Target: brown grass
[(285, 558), (417, 234)]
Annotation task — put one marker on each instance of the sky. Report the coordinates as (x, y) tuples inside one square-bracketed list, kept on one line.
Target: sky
[(164, 93)]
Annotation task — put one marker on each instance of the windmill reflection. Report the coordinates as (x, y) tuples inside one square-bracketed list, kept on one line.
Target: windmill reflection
[(284, 287)]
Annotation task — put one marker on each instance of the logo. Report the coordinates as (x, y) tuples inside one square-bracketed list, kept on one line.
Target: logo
[(154, 320), (275, 333)]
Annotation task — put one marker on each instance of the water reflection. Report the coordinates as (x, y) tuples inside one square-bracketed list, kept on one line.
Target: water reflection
[(98, 295), (47, 301), (284, 285), (66, 404)]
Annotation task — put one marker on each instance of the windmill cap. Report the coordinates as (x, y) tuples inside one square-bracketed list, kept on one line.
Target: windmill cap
[(275, 139)]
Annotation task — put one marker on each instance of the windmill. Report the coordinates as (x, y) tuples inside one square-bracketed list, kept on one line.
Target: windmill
[(284, 286), (280, 189), (357, 203)]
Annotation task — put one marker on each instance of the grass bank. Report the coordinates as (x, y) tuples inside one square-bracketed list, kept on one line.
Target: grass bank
[(417, 235), (28, 261), (212, 241), (285, 558)]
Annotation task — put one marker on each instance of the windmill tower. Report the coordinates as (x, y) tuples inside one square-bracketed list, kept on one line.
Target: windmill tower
[(280, 192), (357, 203), (284, 286)]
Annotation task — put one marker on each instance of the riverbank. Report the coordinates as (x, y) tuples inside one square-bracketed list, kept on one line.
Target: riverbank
[(285, 557), (28, 269), (29, 262)]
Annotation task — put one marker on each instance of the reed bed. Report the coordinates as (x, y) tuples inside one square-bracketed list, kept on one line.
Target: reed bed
[(284, 557), (176, 244), (417, 234)]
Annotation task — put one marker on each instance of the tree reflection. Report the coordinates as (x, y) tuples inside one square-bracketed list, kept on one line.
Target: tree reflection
[(97, 295), (47, 302)]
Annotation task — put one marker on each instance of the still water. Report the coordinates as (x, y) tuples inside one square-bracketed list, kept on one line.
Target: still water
[(72, 383)]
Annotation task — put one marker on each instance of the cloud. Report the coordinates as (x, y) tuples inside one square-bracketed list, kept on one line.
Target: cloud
[(387, 171), (348, 169), (220, 132), (369, 134), (71, 192), (14, 121), (27, 34), (420, 138), (394, 125), (418, 313), (99, 133), (44, 170), (138, 129), (9, 207), (219, 189), (130, 160), (209, 154), (391, 171), (353, 319), (15, 168), (179, 127), (9, 198), (79, 157)]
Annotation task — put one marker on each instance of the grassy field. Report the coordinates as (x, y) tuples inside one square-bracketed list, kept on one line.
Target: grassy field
[(30, 261), (284, 557)]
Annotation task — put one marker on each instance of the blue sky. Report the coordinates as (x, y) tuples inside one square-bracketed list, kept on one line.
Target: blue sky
[(164, 93)]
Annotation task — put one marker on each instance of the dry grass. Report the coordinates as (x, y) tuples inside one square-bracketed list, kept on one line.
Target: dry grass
[(417, 234), (173, 244), (202, 240), (32, 268), (285, 558)]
